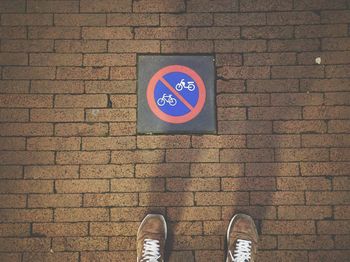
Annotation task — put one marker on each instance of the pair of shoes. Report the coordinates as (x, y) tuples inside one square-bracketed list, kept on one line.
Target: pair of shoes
[(242, 239)]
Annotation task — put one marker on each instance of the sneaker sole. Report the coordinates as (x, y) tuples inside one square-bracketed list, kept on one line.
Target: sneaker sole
[(155, 215)]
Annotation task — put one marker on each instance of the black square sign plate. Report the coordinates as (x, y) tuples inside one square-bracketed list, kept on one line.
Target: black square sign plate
[(176, 94)]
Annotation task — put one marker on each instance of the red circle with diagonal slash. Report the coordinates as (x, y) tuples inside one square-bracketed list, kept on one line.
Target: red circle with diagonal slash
[(159, 76)]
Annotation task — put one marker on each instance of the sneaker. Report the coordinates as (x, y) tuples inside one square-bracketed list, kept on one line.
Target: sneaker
[(151, 237), (242, 239)]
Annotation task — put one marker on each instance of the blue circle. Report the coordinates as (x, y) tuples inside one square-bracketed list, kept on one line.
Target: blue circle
[(168, 102)]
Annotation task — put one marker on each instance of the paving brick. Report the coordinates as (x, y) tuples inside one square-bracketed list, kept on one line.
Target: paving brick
[(55, 59), (212, 6), (192, 155), (216, 170), (132, 19), (327, 198), (81, 214), (269, 59), (272, 169), (166, 199), (304, 212), (341, 183), (138, 185), (326, 112), (272, 255), (81, 129), (78, 46), (13, 172), (214, 33), (257, 212), (110, 87), (187, 46), (305, 242), (29, 72), (136, 214), (51, 172), (123, 73), (80, 243), (26, 215), (300, 126), (288, 227), (12, 143), (86, 73), (188, 19), (60, 229), (244, 127), (155, 6), (335, 44), (193, 184), (138, 156), (49, 32), (12, 201), (229, 86), (303, 183), (26, 157), (153, 142), (161, 33), (248, 184), (277, 198), (324, 169), (14, 86), (310, 5), (273, 141), (342, 212), (53, 143), (83, 157), (13, 59), (228, 59), (220, 198), (229, 72), (239, 19), (223, 141), (56, 115), (131, 46), (339, 98), (243, 100), (24, 244), (312, 31), (27, 19), (109, 199), (80, 19), (193, 213), (162, 170), (106, 33), (196, 242), (56, 86), (324, 85), (106, 171), (52, 6), (14, 230), (246, 155), (328, 255), (27, 45), (333, 227), (296, 45), (266, 5), (328, 58), (231, 113), (109, 59), (293, 18), (122, 128), (122, 243), (54, 200), (274, 113), (107, 256)]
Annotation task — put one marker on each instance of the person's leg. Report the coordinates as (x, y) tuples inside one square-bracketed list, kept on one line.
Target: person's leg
[(242, 239), (151, 237)]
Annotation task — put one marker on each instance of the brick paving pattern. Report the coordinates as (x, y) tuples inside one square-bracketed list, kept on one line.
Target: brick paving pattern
[(76, 180)]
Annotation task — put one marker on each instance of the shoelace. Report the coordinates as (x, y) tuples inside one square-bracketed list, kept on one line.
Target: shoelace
[(242, 252), (150, 252)]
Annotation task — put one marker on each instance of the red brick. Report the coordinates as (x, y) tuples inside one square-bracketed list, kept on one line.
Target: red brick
[(339, 98), (26, 186), (332, 255), (305, 242), (29, 72), (25, 129), (239, 19), (188, 19), (166, 199), (297, 99), (80, 19), (55, 59), (293, 18), (342, 212), (335, 44), (80, 243), (246, 155), (221, 198), (193, 184), (54, 200), (162, 170), (108, 199), (320, 4), (277, 198), (87, 73), (303, 183), (216, 170), (276, 141), (238, 46), (12, 143), (131, 46), (26, 215), (120, 101), (132, 19), (13, 115), (81, 214), (296, 45), (123, 73), (160, 33), (313, 31), (212, 6), (192, 155), (24, 244), (214, 33), (69, 101), (230, 72), (50, 172), (341, 183), (138, 185), (81, 129), (110, 87), (82, 186), (136, 214), (83, 157), (248, 184), (108, 143), (153, 142), (53, 143), (274, 113), (52, 87), (326, 112), (324, 85), (110, 115), (106, 171), (270, 59), (106, 33), (56, 32), (27, 19), (193, 213), (266, 5), (187, 46), (223, 141), (333, 227), (35, 6), (324, 169), (272, 169), (109, 59), (138, 156), (27, 45), (11, 172), (299, 127), (328, 198), (13, 59), (78, 46), (231, 113), (26, 158), (14, 86), (12, 201), (122, 128), (276, 227), (244, 127), (243, 100), (340, 71), (60, 229), (156, 6), (14, 230), (57, 115), (229, 86)]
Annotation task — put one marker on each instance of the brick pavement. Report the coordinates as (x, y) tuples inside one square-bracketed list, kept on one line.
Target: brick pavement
[(76, 179)]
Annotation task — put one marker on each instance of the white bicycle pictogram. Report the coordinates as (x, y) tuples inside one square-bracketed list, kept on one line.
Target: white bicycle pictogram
[(190, 85), (167, 99)]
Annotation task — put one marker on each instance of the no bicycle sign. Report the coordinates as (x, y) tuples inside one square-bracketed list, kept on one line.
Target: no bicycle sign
[(176, 94)]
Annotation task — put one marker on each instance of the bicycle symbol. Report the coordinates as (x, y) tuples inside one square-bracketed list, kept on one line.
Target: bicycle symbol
[(167, 99), (190, 85)]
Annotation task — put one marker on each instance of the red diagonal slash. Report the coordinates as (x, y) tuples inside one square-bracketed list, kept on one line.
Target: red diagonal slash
[(177, 94)]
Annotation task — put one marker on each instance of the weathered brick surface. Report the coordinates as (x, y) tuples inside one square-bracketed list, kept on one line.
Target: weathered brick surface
[(75, 177)]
